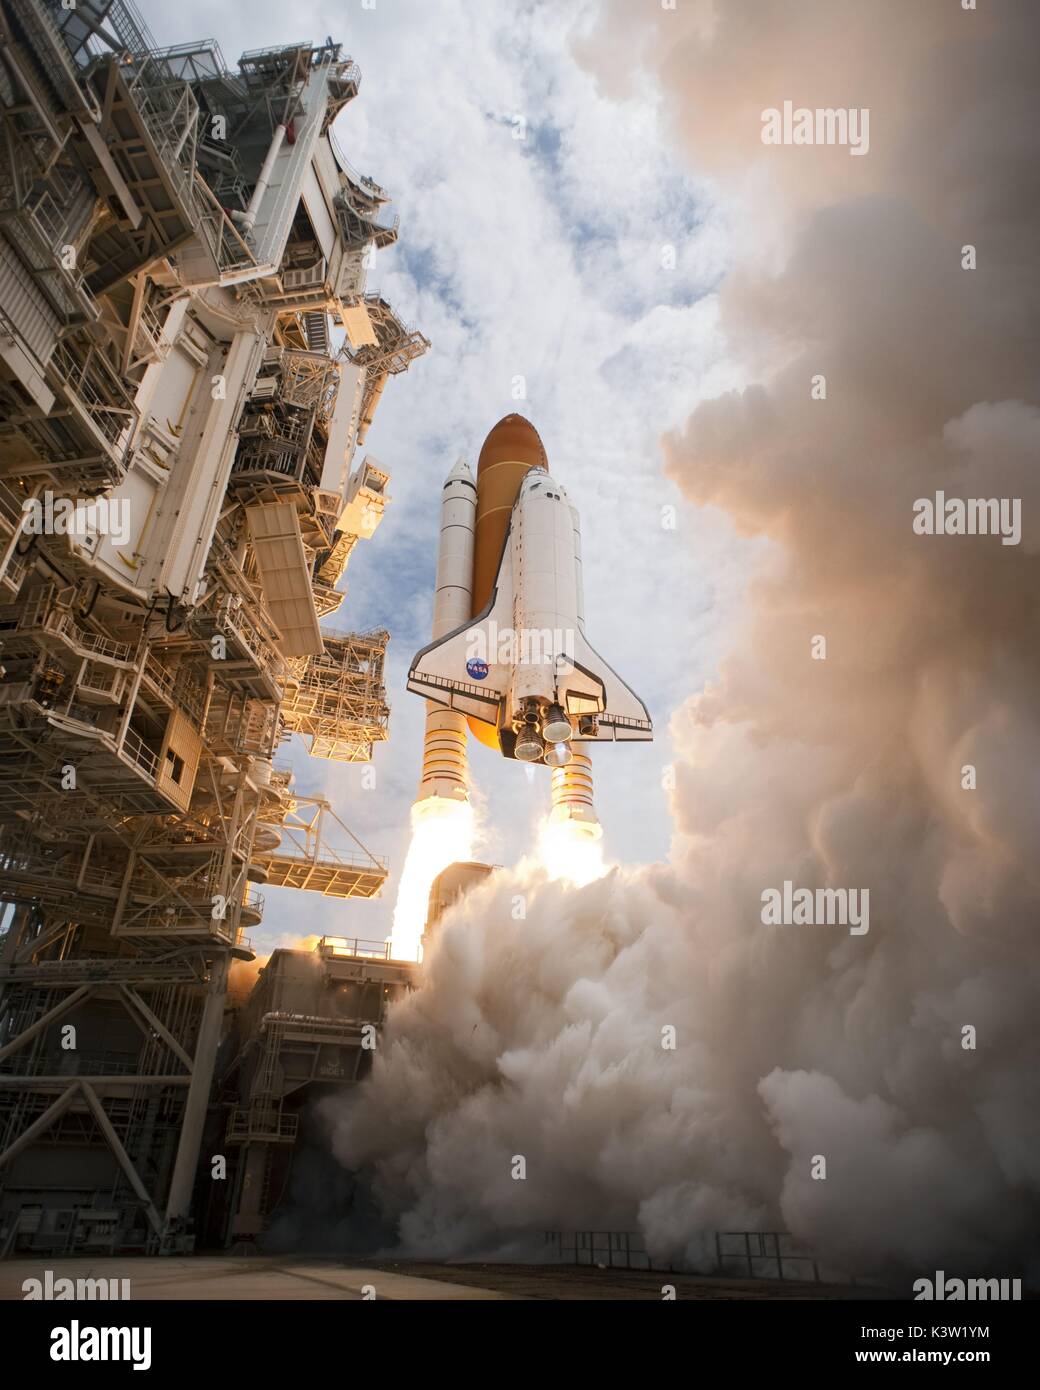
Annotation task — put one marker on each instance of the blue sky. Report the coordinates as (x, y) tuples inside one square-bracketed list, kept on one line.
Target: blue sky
[(544, 258)]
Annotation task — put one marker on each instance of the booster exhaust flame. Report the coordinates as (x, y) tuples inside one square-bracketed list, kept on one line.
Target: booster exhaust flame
[(570, 839), (571, 852), (442, 832)]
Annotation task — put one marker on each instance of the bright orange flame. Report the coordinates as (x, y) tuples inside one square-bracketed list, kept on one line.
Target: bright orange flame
[(572, 850), (442, 834)]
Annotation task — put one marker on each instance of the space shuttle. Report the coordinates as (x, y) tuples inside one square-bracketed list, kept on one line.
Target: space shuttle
[(509, 654)]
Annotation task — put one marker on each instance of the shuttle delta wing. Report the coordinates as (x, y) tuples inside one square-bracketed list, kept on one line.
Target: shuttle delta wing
[(594, 688), (461, 669)]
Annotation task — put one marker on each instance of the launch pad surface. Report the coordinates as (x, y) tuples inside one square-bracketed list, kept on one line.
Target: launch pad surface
[(276, 1279), (293, 1277)]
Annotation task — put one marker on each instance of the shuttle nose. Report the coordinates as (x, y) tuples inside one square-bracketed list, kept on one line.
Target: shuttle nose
[(513, 440)]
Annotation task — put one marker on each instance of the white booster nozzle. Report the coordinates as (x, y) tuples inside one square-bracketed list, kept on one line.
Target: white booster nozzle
[(572, 795)]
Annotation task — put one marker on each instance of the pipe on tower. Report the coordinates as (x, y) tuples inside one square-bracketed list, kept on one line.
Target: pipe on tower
[(247, 220)]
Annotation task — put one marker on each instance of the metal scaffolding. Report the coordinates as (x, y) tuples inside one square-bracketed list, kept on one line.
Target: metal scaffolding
[(383, 345), (302, 857), (176, 512), (307, 1029), (338, 699)]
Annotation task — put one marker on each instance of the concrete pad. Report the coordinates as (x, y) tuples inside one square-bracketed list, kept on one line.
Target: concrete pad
[(260, 1278)]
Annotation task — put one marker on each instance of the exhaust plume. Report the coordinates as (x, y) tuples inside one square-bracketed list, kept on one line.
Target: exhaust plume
[(568, 851), (442, 833), (661, 1058)]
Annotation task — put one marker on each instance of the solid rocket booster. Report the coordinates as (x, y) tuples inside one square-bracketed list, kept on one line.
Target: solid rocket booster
[(444, 771), (572, 795)]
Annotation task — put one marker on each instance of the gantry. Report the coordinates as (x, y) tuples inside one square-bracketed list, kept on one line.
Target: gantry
[(189, 358)]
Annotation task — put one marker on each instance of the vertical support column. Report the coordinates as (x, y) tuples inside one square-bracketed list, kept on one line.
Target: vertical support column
[(187, 1160), (17, 929), (248, 1219), (233, 887), (20, 924)]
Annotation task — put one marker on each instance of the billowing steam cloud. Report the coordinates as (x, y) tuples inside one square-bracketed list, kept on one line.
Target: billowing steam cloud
[(542, 1035)]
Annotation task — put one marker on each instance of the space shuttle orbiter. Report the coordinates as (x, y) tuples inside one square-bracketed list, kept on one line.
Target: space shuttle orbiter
[(519, 668)]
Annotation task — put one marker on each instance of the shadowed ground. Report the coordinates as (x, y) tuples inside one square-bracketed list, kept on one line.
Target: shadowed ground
[(267, 1278)]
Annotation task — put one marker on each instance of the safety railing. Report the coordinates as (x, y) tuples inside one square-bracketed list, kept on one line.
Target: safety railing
[(261, 1124), (138, 752), (103, 681), (363, 181), (176, 689), (62, 623), (257, 636), (333, 946), (738, 1254), (100, 390)]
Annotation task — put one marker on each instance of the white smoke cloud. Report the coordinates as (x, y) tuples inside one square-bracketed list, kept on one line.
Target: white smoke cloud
[(541, 1036)]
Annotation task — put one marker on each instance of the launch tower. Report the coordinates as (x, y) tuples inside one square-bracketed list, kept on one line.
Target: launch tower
[(183, 247)]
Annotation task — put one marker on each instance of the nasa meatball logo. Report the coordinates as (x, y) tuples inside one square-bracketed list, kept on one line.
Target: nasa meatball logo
[(477, 669)]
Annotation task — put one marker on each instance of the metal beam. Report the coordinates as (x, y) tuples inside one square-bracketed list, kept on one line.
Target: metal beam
[(44, 1122), (197, 1102), (134, 1000), (51, 1016), (39, 1083), (40, 943), (139, 283), (106, 164), (122, 1157), (63, 974)]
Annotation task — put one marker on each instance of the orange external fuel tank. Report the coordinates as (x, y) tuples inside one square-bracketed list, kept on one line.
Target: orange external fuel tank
[(511, 450)]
